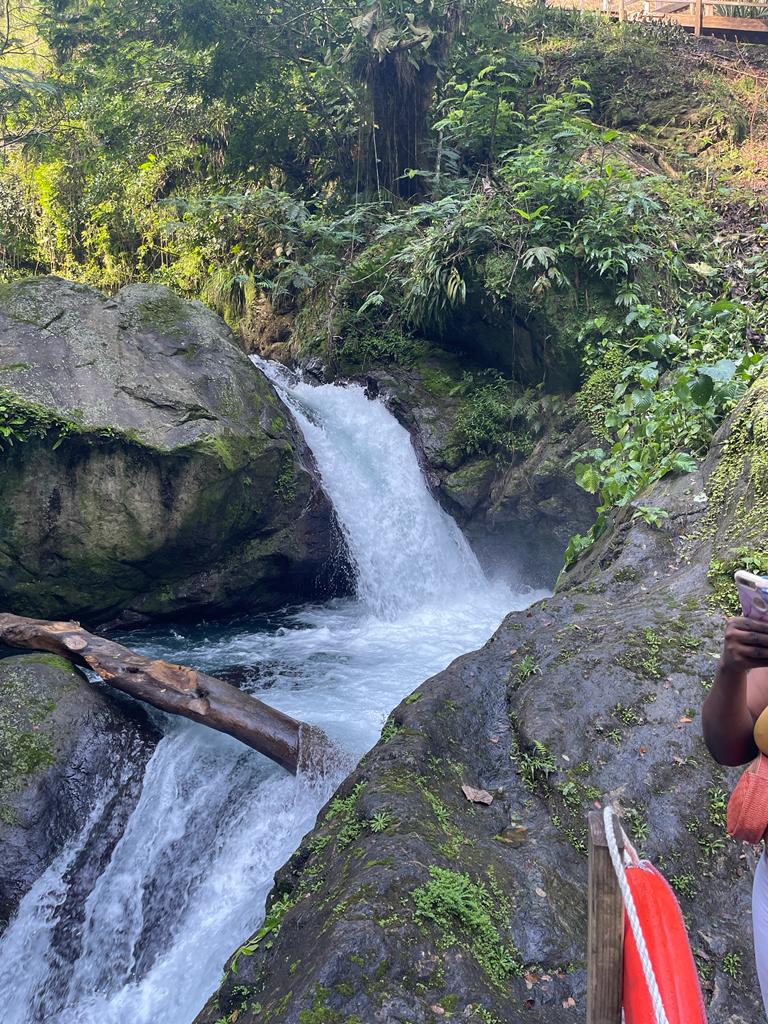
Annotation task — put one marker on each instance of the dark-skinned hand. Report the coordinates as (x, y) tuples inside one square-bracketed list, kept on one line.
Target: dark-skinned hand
[(746, 644)]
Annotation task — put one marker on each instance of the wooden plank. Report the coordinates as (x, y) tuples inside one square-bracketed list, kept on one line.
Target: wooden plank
[(605, 927), (721, 23), (622, 11), (698, 17), (737, 24)]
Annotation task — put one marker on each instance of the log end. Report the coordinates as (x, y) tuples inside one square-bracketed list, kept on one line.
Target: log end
[(74, 643)]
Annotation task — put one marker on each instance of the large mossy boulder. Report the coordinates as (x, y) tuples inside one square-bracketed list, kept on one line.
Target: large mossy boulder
[(147, 467), (68, 752), (410, 903)]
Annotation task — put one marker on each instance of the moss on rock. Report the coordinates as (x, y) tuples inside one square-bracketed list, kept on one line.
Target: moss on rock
[(26, 744), (165, 448)]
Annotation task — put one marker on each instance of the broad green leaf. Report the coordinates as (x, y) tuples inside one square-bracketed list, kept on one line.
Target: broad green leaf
[(587, 477)]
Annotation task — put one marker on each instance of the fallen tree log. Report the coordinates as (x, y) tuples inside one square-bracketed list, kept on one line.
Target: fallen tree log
[(177, 689)]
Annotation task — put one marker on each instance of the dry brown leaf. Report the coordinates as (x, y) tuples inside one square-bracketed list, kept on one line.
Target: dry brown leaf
[(477, 796)]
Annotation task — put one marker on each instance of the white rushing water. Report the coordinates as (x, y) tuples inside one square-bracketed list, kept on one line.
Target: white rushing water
[(186, 883)]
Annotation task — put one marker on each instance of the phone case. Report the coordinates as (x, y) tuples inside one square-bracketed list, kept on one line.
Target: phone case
[(753, 594)]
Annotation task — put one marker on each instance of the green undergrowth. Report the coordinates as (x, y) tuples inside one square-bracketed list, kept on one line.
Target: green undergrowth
[(653, 653), (361, 348), (665, 405), (267, 932), (567, 791), (737, 513), (22, 420), (496, 417)]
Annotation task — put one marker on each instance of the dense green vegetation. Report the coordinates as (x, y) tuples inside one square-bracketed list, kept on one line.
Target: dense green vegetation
[(377, 178)]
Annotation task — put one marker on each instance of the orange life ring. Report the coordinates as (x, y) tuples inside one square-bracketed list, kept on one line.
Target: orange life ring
[(667, 941)]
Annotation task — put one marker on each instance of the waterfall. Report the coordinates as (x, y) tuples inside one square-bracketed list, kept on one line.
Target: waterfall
[(405, 549), (187, 881)]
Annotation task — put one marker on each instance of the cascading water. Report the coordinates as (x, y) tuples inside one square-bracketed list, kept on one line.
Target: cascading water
[(409, 555), (186, 883)]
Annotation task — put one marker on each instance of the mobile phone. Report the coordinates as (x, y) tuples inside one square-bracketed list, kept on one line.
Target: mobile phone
[(753, 594)]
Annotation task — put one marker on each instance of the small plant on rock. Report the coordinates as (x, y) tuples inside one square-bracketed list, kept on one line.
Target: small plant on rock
[(537, 765), (381, 821), (733, 965)]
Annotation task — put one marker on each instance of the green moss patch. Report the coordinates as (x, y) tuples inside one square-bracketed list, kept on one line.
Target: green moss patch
[(26, 740), (166, 314), (465, 915)]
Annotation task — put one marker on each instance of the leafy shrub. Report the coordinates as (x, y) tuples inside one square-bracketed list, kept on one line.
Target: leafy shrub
[(381, 344), (659, 423), (20, 421), (495, 418)]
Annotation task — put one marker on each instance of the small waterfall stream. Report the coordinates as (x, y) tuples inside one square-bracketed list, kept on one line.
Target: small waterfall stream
[(187, 882)]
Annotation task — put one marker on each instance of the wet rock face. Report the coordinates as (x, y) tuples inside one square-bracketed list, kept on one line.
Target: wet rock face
[(410, 903), (159, 474), (65, 747)]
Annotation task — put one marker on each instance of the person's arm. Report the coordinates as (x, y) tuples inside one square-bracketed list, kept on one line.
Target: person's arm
[(739, 693)]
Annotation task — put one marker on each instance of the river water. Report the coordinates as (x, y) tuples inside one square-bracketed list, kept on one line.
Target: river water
[(145, 941)]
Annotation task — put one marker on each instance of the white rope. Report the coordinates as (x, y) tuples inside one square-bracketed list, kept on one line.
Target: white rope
[(634, 921)]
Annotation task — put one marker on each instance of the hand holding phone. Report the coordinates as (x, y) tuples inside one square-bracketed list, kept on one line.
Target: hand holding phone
[(753, 594)]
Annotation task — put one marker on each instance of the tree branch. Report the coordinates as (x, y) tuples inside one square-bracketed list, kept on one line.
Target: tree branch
[(179, 690)]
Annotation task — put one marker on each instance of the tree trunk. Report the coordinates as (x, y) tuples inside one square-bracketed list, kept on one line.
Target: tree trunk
[(401, 83), (401, 97), (178, 690)]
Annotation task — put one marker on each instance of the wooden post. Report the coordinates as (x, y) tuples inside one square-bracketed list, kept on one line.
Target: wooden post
[(605, 927), (622, 10), (698, 17)]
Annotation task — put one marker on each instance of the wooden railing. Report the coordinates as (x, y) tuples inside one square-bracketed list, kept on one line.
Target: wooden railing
[(696, 15)]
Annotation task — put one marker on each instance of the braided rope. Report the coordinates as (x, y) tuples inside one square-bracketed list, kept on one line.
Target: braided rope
[(634, 920)]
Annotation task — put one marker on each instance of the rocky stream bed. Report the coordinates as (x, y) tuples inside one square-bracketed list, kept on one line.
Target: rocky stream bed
[(406, 902)]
